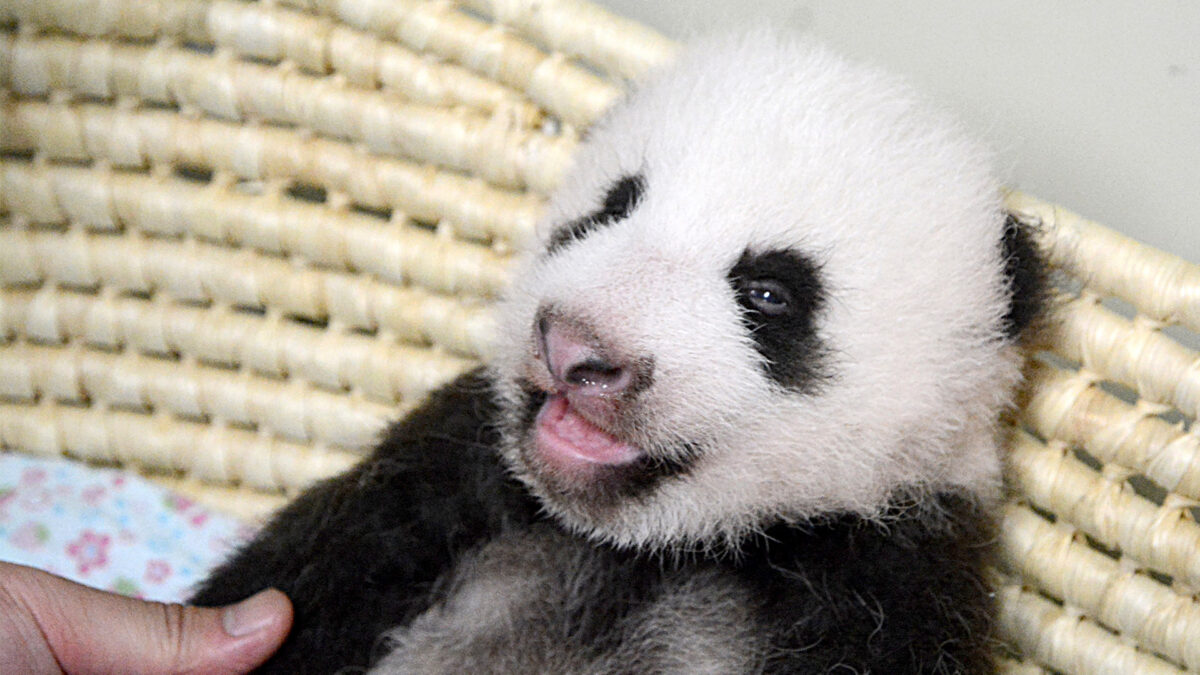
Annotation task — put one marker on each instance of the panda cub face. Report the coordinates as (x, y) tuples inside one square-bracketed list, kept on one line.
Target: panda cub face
[(772, 287)]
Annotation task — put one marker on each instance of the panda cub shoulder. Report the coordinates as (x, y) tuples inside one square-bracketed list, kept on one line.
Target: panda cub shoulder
[(741, 417)]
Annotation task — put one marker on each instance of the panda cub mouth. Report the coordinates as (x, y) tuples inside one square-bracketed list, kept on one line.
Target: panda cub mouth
[(582, 392), (572, 457), (572, 444), (583, 428)]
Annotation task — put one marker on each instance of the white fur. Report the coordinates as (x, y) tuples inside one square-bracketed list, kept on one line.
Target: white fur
[(510, 608), (762, 142)]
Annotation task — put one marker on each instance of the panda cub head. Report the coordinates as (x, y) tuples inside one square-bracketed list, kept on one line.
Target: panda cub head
[(774, 286)]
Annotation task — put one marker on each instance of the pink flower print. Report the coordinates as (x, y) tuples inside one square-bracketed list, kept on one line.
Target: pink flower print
[(198, 520), (92, 495), (178, 503), (33, 476), (30, 536), (157, 571), (90, 551), (36, 500)]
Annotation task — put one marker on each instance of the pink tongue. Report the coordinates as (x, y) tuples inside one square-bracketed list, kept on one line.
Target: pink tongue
[(565, 435)]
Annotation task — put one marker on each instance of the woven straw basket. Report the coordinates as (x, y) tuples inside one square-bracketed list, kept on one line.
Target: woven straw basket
[(237, 237)]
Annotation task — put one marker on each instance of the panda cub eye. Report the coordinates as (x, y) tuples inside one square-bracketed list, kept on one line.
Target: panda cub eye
[(768, 296), (781, 295)]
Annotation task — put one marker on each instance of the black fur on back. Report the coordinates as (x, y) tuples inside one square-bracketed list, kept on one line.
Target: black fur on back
[(378, 546)]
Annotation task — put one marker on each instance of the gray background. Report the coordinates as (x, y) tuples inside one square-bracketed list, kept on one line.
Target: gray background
[(1093, 105)]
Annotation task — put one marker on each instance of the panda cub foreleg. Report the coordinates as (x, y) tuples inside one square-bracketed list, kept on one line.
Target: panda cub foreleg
[(365, 551)]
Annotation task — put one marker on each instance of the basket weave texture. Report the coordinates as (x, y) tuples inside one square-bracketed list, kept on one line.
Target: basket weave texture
[(237, 237)]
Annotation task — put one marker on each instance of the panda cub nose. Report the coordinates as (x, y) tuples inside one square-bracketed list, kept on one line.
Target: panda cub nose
[(579, 365)]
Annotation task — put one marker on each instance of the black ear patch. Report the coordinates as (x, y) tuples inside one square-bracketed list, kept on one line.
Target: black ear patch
[(1026, 274), (620, 200), (781, 294)]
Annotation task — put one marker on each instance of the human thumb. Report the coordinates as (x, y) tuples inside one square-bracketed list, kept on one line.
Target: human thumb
[(91, 631)]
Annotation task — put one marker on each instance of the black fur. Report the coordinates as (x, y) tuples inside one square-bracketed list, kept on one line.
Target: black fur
[(620, 200), (374, 548), (1025, 270), (904, 595), (360, 553), (787, 339)]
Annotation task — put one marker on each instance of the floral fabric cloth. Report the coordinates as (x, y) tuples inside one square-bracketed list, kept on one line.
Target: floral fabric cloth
[(108, 528)]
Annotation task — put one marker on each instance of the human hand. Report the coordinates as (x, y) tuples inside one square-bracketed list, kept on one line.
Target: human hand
[(51, 625)]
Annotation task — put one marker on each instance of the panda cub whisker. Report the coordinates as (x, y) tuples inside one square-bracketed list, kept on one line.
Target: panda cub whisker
[(741, 415)]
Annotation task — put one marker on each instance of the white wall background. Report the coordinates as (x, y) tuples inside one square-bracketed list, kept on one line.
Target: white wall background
[(1093, 104)]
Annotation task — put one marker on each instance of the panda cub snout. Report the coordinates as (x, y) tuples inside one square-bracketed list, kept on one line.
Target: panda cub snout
[(589, 386), (584, 366)]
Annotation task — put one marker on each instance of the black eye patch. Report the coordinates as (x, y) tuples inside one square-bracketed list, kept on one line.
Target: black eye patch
[(781, 294), (619, 202)]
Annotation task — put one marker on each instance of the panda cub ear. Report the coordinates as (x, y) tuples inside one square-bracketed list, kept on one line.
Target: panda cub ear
[(1025, 273)]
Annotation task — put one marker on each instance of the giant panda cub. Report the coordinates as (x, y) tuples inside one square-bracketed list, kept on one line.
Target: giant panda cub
[(742, 415)]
